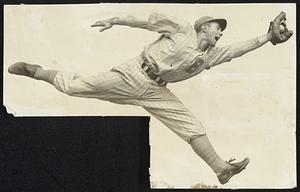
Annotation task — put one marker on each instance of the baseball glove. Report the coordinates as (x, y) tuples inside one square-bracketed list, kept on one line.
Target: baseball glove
[(278, 35)]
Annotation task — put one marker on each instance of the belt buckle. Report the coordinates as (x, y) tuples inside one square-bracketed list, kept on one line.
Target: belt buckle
[(156, 78)]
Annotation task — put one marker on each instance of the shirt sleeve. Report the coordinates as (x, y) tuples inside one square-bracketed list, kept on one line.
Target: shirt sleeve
[(166, 24), (218, 55)]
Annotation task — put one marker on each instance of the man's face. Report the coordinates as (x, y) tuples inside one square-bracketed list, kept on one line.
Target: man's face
[(213, 33)]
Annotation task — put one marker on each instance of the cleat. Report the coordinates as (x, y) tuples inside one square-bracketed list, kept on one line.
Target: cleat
[(21, 68), (232, 169)]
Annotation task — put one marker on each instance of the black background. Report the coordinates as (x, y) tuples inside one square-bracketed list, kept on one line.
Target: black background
[(74, 154)]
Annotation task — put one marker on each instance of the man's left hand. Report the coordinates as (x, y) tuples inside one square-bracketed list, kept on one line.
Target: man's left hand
[(278, 29)]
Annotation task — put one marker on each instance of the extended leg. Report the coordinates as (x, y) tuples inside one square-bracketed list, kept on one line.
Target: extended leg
[(33, 71), (170, 111), (224, 170), (202, 146), (104, 85)]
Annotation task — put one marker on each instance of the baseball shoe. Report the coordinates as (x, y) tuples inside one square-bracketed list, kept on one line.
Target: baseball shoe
[(232, 169), (21, 68)]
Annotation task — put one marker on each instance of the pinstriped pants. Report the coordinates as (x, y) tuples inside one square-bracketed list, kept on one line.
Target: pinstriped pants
[(129, 84)]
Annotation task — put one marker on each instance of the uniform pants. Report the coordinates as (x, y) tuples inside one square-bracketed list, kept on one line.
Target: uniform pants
[(129, 84)]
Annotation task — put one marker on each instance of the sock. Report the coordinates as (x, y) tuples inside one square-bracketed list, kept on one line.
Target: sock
[(45, 75), (202, 146)]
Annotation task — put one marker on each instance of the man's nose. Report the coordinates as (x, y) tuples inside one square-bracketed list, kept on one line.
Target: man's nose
[(221, 34)]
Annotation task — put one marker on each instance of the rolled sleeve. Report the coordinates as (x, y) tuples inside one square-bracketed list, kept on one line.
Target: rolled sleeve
[(166, 24)]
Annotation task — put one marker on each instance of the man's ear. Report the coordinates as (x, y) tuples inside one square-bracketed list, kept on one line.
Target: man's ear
[(204, 28)]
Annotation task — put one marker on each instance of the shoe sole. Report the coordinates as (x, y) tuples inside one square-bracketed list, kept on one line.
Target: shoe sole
[(247, 160), (24, 69)]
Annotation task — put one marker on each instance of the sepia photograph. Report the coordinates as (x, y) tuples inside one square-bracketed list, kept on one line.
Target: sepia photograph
[(218, 82)]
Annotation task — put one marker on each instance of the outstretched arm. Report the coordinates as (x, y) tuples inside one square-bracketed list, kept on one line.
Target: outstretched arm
[(157, 22), (220, 55), (130, 21), (244, 47), (277, 33)]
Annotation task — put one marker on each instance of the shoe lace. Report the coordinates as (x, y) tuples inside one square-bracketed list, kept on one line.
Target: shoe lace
[(230, 160)]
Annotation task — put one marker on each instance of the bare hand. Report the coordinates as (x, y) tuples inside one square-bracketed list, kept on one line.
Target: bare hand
[(103, 24)]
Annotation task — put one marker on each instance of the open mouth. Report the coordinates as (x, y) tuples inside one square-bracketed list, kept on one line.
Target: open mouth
[(217, 38)]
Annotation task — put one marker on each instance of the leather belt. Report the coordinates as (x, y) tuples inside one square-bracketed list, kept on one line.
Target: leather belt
[(152, 75)]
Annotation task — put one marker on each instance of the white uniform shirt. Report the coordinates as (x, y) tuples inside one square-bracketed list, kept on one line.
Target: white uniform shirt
[(175, 56)]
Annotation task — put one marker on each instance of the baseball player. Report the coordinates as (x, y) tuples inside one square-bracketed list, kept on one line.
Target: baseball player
[(181, 52)]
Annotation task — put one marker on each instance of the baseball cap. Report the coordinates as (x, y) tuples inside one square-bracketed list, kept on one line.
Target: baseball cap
[(205, 19)]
